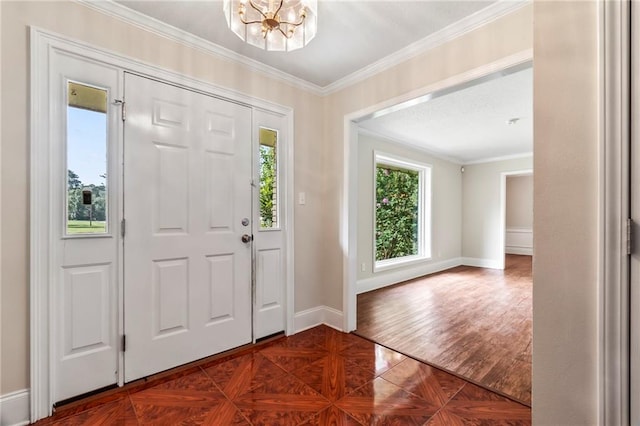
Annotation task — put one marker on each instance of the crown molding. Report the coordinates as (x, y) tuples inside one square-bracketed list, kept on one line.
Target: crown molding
[(496, 159), (147, 23), (482, 17), (457, 29)]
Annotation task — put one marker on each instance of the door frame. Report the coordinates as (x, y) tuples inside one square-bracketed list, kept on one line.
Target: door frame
[(43, 45), (349, 208), (503, 209)]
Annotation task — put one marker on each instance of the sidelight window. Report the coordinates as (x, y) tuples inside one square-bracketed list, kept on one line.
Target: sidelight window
[(87, 191), (269, 191)]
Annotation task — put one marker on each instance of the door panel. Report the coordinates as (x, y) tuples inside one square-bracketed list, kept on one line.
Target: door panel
[(187, 161)]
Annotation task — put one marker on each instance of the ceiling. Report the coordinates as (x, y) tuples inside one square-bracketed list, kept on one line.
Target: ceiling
[(351, 34), (468, 125), (357, 38)]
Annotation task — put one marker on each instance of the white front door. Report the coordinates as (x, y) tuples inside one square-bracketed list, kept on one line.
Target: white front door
[(187, 204)]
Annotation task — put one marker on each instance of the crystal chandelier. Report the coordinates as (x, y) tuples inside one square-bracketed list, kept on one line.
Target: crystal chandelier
[(281, 25)]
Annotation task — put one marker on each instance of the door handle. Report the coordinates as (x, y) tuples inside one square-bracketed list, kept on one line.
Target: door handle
[(246, 238)]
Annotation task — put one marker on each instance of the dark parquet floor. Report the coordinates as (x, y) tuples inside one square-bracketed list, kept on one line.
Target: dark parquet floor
[(317, 377), (473, 322)]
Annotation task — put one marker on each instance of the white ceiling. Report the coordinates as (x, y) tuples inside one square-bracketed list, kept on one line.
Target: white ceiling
[(356, 37), (351, 34), (468, 125)]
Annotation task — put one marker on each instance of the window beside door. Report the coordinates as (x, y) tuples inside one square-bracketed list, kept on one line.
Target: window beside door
[(402, 211), (269, 199), (86, 160)]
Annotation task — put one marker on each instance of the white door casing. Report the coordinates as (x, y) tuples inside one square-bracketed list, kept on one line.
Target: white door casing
[(85, 274), (187, 187), (269, 244)]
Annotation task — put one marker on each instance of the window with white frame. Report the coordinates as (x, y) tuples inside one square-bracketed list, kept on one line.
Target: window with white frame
[(402, 211)]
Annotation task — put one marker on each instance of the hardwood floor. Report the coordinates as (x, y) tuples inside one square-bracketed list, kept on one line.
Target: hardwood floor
[(317, 377), (473, 322)]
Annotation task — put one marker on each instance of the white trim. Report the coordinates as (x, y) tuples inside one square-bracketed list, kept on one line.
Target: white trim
[(349, 210), (482, 263), (523, 251), (424, 209), (409, 273), (43, 44), (472, 22), (617, 393), (501, 158), (14, 408), (482, 17), (319, 315)]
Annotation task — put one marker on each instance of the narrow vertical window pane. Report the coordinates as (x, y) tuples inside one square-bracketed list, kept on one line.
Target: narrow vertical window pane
[(268, 178), (397, 210), (86, 160)]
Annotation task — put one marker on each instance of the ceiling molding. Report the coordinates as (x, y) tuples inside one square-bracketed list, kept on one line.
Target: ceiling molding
[(457, 29), (396, 141), (496, 159), (147, 23)]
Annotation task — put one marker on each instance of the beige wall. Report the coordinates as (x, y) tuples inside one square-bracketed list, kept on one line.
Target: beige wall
[(77, 21), (481, 215), (565, 289), (519, 212), (504, 37), (446, 197)]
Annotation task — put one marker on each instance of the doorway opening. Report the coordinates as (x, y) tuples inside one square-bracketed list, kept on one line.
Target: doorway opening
[(464, 287)]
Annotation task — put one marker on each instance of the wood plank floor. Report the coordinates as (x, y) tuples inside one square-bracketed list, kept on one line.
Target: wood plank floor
[(473, 322), (317, 377)]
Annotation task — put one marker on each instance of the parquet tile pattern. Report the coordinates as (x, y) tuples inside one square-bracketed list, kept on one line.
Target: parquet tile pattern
[(473, 322), (318, 377)]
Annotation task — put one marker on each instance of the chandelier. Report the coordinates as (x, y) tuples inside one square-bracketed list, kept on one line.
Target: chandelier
[(281, 25)]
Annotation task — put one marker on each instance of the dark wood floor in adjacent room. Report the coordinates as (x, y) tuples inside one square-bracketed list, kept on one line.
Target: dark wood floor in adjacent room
[(473, 322)]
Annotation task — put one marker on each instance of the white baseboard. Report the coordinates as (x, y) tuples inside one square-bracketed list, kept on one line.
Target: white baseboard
[(408, 273), (482, 263), (14, 408), (527, 251), (316, 316)]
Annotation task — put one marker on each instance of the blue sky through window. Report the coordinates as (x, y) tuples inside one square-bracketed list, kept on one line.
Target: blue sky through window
[(87, 144)]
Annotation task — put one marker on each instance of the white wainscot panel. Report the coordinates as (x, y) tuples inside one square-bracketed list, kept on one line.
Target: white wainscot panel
[(221, 287), (86, 308), (519, 241), (171, 296), (171, 190), (220, 187)]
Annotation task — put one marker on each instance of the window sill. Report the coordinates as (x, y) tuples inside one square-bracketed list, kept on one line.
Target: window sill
[(385, 265)]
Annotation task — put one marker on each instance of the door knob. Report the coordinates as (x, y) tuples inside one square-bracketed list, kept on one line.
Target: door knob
[(246, 238)]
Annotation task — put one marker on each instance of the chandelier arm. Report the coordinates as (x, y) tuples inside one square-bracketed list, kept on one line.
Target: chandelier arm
[(253, 5), (249, 22), (295, 24), (278, 10), (283, 33)]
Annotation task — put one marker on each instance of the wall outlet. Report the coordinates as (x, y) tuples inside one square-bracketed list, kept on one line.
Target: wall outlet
[(363, 267), (302, 198)]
